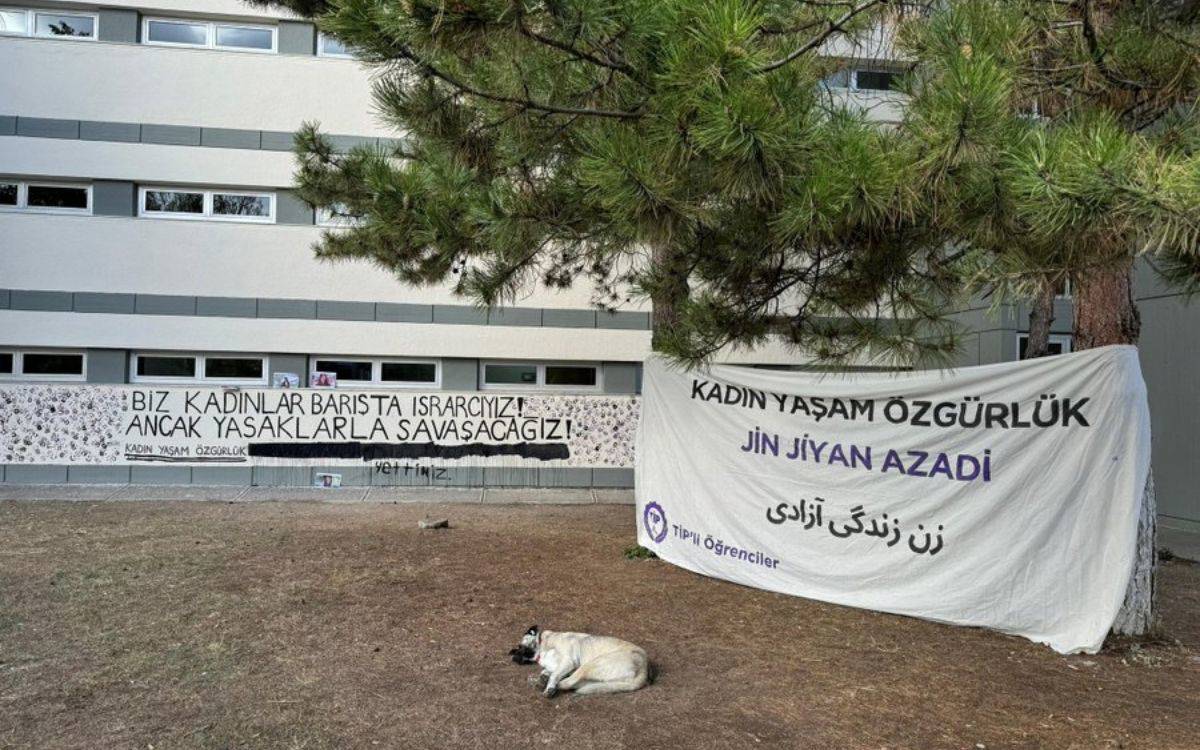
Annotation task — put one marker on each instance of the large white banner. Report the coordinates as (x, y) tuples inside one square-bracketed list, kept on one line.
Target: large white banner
[(1003, 496)]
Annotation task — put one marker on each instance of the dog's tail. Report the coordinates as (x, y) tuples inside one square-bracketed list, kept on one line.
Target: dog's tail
[(651, 672)]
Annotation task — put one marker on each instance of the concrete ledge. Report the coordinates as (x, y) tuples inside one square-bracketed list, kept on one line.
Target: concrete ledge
[(238, 494)]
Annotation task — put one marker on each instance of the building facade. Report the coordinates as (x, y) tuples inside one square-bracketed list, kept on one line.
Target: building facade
[(148, 235)]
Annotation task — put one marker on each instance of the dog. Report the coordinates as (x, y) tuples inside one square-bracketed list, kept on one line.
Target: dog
[(587, 664)]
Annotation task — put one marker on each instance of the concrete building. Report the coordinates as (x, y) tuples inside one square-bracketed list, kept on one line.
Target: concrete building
[(148, 235)]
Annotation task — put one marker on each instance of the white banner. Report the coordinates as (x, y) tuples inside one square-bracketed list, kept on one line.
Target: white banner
[(1003, 496), (145, 425)]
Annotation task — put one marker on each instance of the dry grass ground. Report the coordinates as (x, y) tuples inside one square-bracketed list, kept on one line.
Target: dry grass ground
[(301, 625)]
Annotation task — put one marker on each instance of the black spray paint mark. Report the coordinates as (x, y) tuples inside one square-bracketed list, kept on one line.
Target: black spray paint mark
[(381, 451)]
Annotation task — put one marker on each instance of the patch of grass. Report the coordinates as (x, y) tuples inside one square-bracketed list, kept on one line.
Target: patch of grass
[(638, 552)]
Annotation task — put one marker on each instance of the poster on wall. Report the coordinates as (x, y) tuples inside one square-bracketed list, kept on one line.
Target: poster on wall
[(147, 425), (1004, 496)]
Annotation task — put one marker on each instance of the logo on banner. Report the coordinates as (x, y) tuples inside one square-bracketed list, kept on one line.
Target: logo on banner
[(654, 518)]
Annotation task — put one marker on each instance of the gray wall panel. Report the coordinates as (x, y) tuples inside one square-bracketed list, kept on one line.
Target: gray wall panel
[(297, 38), (459, 315), (337, 310), (352, 476), (402, 475), (171, 135), (165, 304), (620, 377), (281, 476), (564, 477), (119, 132), (117, 25), (35, 474), (98, 474), (27, 299), (44, 127), (392, 312), (107, 366), (104, 302), (514, 316), (5, 299), (569, 318), (623, 320), (292, 210), (460, 374), (8, 125), (607, 477), (459, 476), (277, 140), (297, 364), (227, 307), (114, 198), (222, 475), (230, 138), (287, 308), (160, 475), (505, 476)]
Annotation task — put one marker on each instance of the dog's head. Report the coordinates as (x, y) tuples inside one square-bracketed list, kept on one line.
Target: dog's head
[(530, 639)]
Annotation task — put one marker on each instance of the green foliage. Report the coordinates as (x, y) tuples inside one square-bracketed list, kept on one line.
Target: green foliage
[(687, 151), (638, 552)]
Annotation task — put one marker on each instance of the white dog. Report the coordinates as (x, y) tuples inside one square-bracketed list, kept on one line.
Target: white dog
[(587, 664)]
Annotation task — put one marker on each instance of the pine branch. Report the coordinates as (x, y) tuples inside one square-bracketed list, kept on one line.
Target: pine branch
[(832, 28)]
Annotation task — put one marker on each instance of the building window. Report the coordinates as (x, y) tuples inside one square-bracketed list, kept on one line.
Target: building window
[(177, 367), (194, 203), (1060, 343), (45, 196), (50, 24), (42, 365), (331, 46), (337, 215), (387, 373), (178, 32), (863, 80), (575, 377)]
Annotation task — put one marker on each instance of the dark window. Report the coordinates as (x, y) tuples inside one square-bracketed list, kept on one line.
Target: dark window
[(225, 204), (62, 24), (174, 201), (8, 193), (245, 37), (409, 372), (351, 371), (6, 363), (576, 376), (177, 33), (233, 368), (510, 374), (876, 80), (52, 364), (1053, 347), (166, 367), (54, 196)]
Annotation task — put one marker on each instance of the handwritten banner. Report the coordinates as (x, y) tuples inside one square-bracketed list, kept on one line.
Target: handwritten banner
[(1004, 496), (64, 424)]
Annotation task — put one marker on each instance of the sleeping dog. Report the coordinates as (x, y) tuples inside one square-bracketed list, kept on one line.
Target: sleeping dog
[(587, 664)]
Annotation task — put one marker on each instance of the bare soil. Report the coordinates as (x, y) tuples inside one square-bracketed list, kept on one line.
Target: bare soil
[(305, 625)]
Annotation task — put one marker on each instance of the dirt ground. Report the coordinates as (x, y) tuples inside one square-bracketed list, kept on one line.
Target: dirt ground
[(304, 625)]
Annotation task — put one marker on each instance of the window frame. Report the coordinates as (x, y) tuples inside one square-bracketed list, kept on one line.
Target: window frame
[(23, 206), (198, 377), (18, 366), (207, 213), (540, 385), (31, 23), (377, 363), (321, 37), (210, 34), (852, 80), (1055, 338)]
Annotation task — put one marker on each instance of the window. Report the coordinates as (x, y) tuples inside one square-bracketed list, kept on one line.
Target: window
[(42, 365), (577, 377), (331, 46), (1060, 343), (194, 203), (234, 369), (390, 373), (45, 23), (863, 80), (45, 196), (337, 215), (178, 32)]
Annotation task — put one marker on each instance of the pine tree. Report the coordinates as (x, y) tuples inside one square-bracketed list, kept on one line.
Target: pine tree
[(681, 151)]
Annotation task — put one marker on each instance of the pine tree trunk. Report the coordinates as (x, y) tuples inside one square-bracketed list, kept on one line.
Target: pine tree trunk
[(1106, 314), (668, 295), (1041, 316)]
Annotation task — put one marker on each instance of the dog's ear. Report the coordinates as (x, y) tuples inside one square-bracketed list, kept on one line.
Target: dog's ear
[(533, 630)]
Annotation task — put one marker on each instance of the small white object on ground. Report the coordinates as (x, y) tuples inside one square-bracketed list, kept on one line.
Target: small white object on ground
[(434, 523)]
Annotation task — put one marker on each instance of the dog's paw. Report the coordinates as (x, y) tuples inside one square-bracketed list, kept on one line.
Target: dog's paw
[(549, 692)]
